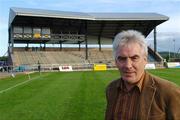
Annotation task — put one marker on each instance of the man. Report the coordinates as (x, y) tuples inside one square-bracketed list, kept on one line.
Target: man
[(39, 67), (137, 95)]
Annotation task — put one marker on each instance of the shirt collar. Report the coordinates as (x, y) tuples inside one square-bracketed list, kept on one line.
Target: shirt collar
[(139, 84)]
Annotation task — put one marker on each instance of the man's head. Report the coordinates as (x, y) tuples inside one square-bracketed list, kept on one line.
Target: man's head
[(130, 52)]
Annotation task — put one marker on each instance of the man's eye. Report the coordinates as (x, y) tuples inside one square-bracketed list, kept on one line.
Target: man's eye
[(121, 59), (135, 58)]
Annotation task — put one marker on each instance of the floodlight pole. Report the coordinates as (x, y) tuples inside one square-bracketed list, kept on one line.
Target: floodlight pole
[(169, 55), (174, 47)]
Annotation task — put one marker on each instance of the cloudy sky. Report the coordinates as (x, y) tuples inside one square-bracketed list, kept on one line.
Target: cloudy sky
[(168, 33)]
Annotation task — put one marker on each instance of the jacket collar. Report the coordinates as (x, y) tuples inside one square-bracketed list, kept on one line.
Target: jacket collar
[(147, 96), (139, 84)]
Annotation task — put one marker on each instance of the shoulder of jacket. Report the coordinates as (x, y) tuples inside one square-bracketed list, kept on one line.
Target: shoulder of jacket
[(163, 84), (113, 84)]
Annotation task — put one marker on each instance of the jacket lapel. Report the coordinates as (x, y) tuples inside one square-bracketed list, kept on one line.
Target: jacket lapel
[(147, 97)]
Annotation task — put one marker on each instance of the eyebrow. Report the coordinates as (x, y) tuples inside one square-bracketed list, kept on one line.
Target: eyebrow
[(134, 56), (128, 57)]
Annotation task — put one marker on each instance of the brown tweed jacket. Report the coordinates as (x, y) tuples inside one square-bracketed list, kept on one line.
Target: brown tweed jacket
[(159, 99)]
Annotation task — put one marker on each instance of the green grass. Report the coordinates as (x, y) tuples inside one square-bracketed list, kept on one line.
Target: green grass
[(61, 96), (169, 74)]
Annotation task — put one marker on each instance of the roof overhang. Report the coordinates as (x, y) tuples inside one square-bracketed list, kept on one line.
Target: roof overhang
[(83, 16), (98, 24)]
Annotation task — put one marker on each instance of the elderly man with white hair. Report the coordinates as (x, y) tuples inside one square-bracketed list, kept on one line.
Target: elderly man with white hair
[(138, 95)]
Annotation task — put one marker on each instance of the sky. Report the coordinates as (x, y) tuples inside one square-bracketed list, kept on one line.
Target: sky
[(168, 33)]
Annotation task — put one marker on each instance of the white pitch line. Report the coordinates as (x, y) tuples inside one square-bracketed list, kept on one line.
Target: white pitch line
[(2, 91)]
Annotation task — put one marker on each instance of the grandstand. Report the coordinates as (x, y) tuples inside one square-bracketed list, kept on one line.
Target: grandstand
[(46, 27)]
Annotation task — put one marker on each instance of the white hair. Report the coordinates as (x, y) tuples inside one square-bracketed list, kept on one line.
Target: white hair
[(125, 37)]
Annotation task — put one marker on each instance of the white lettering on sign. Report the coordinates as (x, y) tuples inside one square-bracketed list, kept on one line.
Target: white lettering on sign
[(71, 37)]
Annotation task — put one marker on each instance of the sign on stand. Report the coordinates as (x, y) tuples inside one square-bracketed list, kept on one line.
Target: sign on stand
[(65, 68)]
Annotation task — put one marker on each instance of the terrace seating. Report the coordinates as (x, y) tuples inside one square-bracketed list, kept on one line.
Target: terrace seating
[(69, 56), (47, 57), (104, 56)]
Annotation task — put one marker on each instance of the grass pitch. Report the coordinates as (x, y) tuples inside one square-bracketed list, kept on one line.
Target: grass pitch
[(61, 96)]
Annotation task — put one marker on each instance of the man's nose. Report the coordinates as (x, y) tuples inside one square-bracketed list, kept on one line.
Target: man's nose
[(128, 63)]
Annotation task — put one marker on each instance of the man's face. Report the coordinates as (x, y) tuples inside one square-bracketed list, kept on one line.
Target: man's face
[(131, 61)]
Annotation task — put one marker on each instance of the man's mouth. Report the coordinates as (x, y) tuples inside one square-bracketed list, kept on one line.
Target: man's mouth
[(128, 73)]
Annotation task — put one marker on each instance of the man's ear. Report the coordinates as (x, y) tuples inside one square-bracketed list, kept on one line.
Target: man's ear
[(115, 60), (146, 58)]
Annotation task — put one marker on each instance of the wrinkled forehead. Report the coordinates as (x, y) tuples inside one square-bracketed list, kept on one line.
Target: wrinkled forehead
[(129, 49)]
